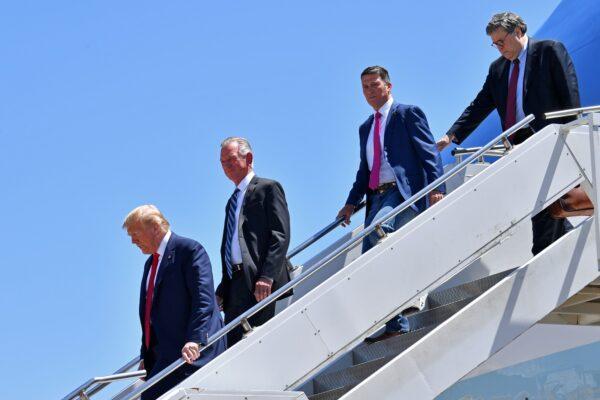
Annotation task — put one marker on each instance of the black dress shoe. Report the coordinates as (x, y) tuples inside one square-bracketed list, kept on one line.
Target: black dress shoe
[(383, 336)]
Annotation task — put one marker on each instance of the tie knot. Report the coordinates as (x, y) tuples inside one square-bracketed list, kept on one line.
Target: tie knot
[(516, 61), (377, 115), (235, 192)]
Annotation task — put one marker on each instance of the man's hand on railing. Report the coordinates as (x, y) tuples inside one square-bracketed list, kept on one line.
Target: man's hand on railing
[(262, 289), (444, 142), (346, 212), (190, 352), (435, 196)]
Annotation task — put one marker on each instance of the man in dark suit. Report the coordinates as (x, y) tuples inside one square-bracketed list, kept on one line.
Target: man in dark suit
[(178, 308), (256, 236), (398, 158), (530, 77)]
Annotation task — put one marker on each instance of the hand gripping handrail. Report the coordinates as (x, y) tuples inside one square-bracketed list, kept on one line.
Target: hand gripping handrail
[(375, 226), (95, 385)]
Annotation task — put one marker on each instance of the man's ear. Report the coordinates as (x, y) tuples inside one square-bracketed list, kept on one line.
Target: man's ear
[(249, 158), (518, 32)]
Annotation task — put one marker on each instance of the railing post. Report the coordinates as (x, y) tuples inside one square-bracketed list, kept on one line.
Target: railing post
[(246, 325), (380, 232), (83, 395)]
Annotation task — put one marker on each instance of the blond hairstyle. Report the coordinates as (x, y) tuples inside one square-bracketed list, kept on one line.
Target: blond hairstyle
[(148, 214)]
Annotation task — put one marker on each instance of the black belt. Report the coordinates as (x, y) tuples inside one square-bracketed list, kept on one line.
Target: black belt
[(384, 187), (235, 268)]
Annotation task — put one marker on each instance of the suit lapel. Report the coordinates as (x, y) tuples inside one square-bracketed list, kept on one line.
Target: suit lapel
[(165, 263), (531, 56), (248, 195), (390, 120), (505, 68)]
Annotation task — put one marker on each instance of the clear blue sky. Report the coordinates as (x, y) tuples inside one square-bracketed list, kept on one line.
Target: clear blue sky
[(107, 105)]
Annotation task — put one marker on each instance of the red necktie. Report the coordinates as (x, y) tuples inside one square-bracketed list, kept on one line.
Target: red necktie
[(374, 178), (511, 101), (149, 295)]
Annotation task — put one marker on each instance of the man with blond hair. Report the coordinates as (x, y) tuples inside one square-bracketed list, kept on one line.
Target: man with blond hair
[(178, 309), (256, 236)]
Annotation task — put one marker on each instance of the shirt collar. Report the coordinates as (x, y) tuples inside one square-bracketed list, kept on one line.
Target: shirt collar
[(246, 181), (163, 244), (385, 109)]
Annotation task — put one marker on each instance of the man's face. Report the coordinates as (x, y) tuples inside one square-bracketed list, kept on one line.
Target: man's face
[(146, 237), (376, 91), (235, 166), (508, 44)]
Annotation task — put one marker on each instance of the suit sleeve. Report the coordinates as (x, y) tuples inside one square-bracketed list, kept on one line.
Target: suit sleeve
[(199, 285), (425, 145), (475, 113), (359, 187), (278, 219), (564, 77)]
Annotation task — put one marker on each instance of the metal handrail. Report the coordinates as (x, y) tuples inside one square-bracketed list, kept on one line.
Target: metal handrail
[(307, 243), (82, 389), (573, 111), (459, 151), (375, 226), (120, 372)]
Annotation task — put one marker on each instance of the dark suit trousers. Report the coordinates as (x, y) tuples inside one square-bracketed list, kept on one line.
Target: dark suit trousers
[(546, 230), (153, 367), (240, 299)]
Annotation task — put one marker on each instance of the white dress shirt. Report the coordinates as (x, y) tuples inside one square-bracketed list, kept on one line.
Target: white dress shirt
[(386, 173), (236, 252), (520, 114), (161, 251)]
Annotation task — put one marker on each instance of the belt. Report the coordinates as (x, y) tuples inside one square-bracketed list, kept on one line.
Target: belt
[(384, 187), (237, 267)]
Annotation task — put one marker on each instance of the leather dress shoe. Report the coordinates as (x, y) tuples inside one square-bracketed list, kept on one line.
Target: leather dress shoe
[(383, 336)]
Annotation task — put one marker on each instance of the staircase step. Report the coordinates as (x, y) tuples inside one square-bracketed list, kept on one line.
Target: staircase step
[(436, 316), (348, 377), (389, 347), (466, 290), (331, 394)]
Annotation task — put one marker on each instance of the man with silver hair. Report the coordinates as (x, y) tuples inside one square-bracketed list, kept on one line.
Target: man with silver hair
[(256, 236), (530, 77), (178, 309)]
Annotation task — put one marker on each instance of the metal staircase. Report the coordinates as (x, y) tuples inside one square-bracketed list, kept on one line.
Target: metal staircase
[(315, 348), (368, 358)]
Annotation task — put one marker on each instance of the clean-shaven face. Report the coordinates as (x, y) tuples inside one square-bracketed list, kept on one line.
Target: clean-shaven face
[(376, 91)]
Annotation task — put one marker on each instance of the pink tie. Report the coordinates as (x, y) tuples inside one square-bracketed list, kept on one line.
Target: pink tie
[(149, 295), (511, 101), (374, 178)]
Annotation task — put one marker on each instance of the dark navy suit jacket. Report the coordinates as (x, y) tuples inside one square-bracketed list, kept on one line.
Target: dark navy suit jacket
[(410, 149), (184, 308)]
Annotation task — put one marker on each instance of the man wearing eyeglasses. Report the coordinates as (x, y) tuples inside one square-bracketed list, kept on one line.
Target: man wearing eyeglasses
[(530, 77)]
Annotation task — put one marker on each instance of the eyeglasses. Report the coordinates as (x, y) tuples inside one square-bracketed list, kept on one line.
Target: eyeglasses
[(500, 43)]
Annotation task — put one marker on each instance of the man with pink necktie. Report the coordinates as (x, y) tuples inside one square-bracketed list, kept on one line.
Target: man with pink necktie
[(530, 77), (398, 158)]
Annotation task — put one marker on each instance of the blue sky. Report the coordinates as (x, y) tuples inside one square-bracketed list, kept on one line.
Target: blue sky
[(109, 105)]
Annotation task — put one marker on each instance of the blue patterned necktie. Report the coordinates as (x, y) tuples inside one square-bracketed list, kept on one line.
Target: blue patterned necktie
[(229, 228)]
